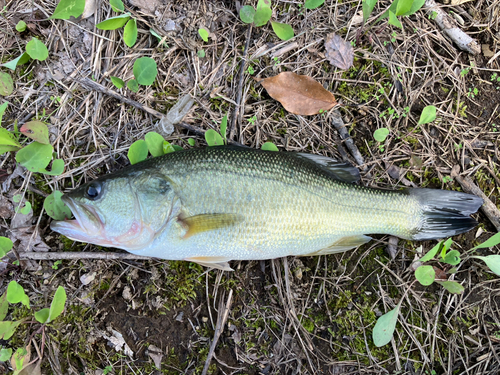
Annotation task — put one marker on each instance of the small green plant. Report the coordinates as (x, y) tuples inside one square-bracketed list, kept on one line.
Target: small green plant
[(380, 135), (447, 179), (252, 119), (215, 139), (6, 84), (262, 14), (158, 37), (313, 4), (15, 294), (398, 8), (6, 245), (35, 156), (269, 146), (118, 82), (21, 26), (67, 8), (445, 259), (428, 114), (495, 77), (153, 143), (201, 53), (145, 71), (250, 70), (55, 207), (426, 274), (121, 20), (368, 6), (17, 198), (204, 34), (473, 92), (35, 49), (385, 326), (464, 72)]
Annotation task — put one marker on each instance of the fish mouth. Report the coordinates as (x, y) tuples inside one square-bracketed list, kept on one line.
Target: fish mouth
[(86, 225)]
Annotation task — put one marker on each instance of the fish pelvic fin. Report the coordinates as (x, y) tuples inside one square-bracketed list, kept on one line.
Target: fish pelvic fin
[(444, 213), (344, 244), (207, 222), (220, 263)]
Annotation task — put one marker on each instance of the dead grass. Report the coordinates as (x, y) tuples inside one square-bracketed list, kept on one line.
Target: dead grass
[(288, 316)]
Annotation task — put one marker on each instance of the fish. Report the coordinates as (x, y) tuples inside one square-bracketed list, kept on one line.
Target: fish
[(223, 203)]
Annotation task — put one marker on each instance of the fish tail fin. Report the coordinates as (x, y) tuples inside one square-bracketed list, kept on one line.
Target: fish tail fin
[(445, 213)]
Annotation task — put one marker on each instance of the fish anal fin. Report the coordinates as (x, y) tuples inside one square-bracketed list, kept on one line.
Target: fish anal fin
[(344, 244), (220, 263), (207, 222)]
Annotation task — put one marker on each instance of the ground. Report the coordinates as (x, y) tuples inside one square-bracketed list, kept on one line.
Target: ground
[(306, 315)]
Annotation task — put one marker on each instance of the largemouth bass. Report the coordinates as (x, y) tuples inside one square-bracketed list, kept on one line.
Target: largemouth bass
[(218, 204)]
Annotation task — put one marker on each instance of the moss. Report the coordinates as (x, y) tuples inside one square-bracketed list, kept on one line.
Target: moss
[(219, 105), (357, 92), (307, 323), (182, 282)]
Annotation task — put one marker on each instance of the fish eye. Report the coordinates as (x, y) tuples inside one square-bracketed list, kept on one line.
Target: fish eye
[(93, 190)]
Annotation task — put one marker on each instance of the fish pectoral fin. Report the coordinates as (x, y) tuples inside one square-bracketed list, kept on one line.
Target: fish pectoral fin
[(344, 244), (206, 222), (221, 263)]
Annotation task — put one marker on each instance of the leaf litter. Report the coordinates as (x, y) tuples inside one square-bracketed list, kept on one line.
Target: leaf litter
[(299, 94), (335, 295), (339, 52)]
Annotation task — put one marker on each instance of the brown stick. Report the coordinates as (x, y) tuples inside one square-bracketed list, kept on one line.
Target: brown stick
[(450, 28), (488, 208), (232, 127), (338, 123), (221, 322), (98, 87), (79, 255)]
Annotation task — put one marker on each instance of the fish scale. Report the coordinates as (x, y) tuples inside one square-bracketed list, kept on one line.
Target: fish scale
[(225, 203)]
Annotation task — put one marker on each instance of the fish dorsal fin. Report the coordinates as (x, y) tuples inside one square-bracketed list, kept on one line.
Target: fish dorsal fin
[(340, 170), (206, 222), (221, 263), (344, 244)]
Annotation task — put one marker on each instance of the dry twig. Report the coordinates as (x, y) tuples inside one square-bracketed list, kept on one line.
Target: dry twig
[(221, 322), (489, 209), (450, 28)]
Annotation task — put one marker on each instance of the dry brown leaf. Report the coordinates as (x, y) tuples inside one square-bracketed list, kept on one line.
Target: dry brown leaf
[(486, 50), (32, 369), (339, 52), (301, 95), (440, 274)]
